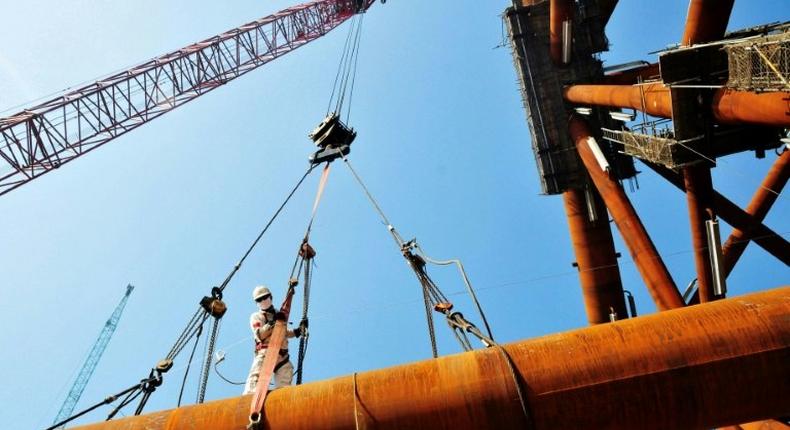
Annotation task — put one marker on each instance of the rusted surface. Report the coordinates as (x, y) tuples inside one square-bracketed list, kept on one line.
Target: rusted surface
[(648, 261), (651, 372), (728, 106), (595, 257), (559, 12), (736, 107), (699, 197), (763, 236), (759, 425), (653, 99), (706, 21), (758, 208)]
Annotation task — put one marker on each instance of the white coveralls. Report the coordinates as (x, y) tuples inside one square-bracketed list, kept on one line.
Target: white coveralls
[(262, 325)]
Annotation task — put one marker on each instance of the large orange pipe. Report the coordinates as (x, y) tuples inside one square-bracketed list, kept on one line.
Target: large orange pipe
[(759, 425), (653, 99), (699, 198), (559, 12), (706, 21), (652, 372), (758, 208), (728, 107), (648, 261), (596, 259)]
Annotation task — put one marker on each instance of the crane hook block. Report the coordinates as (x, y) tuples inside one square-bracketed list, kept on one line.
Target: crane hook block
[(333, 139), (214, 306)]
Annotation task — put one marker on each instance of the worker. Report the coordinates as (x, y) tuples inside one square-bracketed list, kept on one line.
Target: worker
[(262, 324)]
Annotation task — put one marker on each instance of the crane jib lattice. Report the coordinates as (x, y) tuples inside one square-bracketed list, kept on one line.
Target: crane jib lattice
[(44, 137), (93, 359)]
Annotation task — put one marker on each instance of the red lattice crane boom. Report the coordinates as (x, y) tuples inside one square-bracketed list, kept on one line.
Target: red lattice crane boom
[(41, 138)]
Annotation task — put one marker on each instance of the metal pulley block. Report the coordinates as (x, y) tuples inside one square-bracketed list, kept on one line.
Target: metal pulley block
[(333, 138), (214, 304), (164, 365), (443, 307), (306, 251)]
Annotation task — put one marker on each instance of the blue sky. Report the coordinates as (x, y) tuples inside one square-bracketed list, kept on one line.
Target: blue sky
[(443, 144)]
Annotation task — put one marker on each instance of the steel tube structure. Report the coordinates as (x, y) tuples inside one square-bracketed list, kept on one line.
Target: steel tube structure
[(653, 99), (643, 251), (706, 21), (626, 375), (758, 208), (596, 259), (728, 107), (42, 138), (763, 236), (699, 191)]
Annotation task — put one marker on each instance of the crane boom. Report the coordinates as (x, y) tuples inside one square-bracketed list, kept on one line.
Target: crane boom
[(41, 138), (93, 359)]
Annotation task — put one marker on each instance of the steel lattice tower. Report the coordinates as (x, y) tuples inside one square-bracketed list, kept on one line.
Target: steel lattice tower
[(93, 359)]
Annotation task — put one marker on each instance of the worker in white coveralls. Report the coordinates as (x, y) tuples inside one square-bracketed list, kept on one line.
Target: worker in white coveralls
[(262, 325)]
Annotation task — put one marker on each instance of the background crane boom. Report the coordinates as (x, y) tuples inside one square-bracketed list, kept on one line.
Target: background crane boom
[(93, 359), (44, 137)]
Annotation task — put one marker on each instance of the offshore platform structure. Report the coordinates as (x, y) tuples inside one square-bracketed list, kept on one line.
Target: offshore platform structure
[(721, 363), (92, 361)]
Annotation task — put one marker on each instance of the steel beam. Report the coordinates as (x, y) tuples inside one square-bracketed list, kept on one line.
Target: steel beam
[(706, 21), (596, 259), (643, 251), (699, 197), (758, 208), (652, 372), (763, 236), (728, 106)]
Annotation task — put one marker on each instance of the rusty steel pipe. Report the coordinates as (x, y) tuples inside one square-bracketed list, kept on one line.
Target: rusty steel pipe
[(763, 236), (699, 197), (706, 21), (759, 425), (653, 99), (739, 107), (596, 259), (559, 12), (728, 106), (643, 251), (758, 208), (652, 372)]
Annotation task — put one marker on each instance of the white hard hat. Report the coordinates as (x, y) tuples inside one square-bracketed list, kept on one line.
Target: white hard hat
[(259, 292)]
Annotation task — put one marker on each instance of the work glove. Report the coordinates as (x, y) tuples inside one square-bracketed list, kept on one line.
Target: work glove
[(304, 324), (298, 331), (280, 316)]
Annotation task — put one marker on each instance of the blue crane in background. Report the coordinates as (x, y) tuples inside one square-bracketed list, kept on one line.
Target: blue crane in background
[(93, 359)]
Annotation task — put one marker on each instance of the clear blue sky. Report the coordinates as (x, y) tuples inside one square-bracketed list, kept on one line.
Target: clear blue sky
[(443, 143)]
